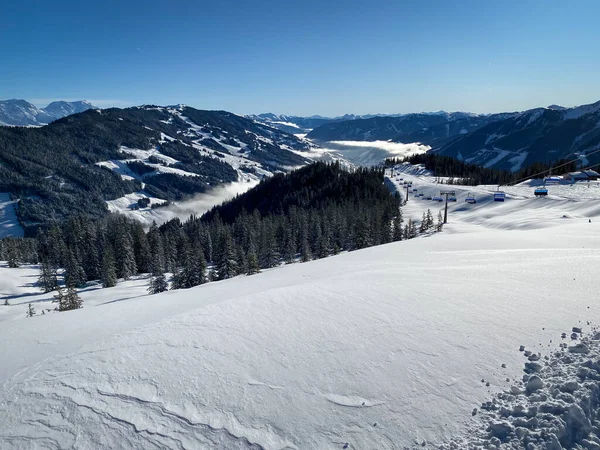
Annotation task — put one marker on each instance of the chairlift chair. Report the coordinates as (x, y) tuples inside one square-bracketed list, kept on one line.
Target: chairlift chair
[(470, 199), (541, 191), (499, 196)]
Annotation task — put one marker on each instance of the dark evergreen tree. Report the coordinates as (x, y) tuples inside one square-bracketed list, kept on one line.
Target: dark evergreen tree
[(226, 264), (71, 300), (252, 266), (12, 254), (158, 280), (48, 279), (109, 273), (30, 311), (397, 227), (74, 274), (125, 256)]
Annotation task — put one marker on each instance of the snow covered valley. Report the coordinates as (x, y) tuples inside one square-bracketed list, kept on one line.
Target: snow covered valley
[(389, 347)]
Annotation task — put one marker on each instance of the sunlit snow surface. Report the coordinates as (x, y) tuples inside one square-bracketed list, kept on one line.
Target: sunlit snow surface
[(379, 348)]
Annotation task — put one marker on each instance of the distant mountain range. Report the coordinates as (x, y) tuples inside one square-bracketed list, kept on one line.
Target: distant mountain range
[(22, 113), (537, 135), (425, 128), (509, 141), (303, 125)]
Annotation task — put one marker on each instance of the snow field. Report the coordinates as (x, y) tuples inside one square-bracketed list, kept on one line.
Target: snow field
[(384, 347)]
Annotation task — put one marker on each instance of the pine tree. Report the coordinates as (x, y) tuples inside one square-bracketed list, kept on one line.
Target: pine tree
[(306, 253), (252, 265), (199, 267), (440, 222), (126, 266), (227, 265), (60, 299), (6, 303), (429, 218), (423, 226), (30, 311), (74, 274), (12, 257), (158, 282), (397, 227), (71, 300), (48, 279), (109, 274), (410, 230), (269, 256)]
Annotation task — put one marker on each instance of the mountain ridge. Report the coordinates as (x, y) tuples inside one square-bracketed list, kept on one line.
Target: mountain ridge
[(19, 112)]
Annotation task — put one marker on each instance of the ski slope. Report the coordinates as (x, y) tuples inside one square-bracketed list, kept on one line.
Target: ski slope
[(9, 224), (388, 347), (520, 210)]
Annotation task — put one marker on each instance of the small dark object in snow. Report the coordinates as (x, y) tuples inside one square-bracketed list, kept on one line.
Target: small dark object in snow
[(474, 412), (522, 348), (487, 384), (503, 366), (574, 336), (508, 380), (576, 330), (345, 445), (482, 380), (375, 424), (564, 335)]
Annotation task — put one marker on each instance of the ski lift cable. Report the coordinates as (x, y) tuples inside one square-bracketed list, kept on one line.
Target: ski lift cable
[(551, 168)]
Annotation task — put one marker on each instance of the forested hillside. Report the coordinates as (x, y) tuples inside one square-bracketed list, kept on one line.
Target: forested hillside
[(68, 168), (313, 212), (460, 172)]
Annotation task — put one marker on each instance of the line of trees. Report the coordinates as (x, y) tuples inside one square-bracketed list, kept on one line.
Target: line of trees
[(314, 212), (460, 172)]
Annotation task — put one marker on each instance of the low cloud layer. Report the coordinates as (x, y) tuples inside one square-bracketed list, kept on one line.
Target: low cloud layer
[(196, 206), (372, 153)]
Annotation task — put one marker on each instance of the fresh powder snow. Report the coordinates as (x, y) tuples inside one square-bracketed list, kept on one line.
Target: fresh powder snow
[(395, 346)]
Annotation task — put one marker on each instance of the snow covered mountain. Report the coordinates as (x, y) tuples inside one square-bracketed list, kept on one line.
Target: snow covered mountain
[(303, 125), (121, 155), (408, 345), (61, 109), (537, 135), (22, 113), (425, 128)]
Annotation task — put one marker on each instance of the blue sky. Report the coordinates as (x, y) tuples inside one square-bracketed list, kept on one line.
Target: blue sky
[(304, 57)]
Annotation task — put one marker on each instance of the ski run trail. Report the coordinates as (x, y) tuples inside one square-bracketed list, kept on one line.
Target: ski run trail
[(481, 336)]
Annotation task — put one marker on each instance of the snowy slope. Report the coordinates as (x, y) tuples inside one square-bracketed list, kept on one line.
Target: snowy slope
[(380, 348), (9, 224)]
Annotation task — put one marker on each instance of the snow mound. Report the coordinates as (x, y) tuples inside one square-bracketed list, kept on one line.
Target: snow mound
[(556, 405)]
